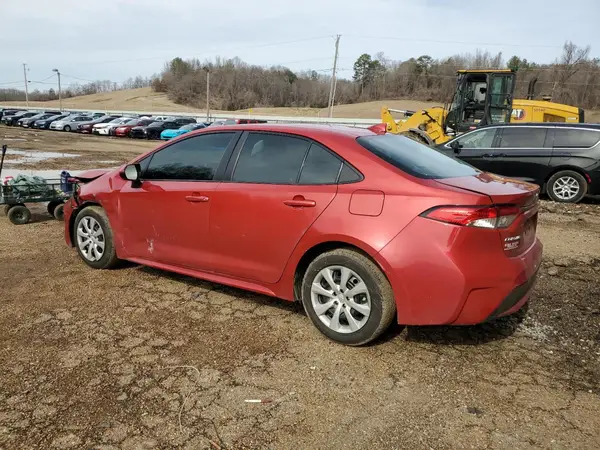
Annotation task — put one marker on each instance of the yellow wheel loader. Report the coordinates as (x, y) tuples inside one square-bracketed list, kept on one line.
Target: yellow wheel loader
[(482, 97)]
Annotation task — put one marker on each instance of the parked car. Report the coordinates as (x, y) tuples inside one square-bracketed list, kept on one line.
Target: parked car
[(86, 127), (12, 120), (44, 124), (108, 129), (354, 224), (154, 130), (27, 122), (123, 130), (8, 112), (242, 121), (170, 134), (562, 158), (68, 123)]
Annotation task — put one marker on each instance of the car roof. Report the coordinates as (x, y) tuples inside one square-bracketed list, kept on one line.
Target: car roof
[(309, 130), (593, 126)]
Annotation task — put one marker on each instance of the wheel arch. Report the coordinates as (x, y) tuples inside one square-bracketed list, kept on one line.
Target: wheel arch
[(563, 168), (322, 247), (74, 215)]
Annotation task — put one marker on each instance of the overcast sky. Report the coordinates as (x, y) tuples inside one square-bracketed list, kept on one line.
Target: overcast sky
[(116, 39)]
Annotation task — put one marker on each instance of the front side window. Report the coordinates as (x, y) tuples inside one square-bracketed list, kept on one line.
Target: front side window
[(270, 158), (478, 139), (523, 137), (196, 158)]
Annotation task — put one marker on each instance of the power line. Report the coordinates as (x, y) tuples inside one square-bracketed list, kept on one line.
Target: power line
[(497, 44)]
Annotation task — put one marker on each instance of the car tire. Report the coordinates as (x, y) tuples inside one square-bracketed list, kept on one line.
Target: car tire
[(19, 215), (6, 209), (567, 186), (59, 212), (371, 310), (67, 128), (88, 222), (52, 206)]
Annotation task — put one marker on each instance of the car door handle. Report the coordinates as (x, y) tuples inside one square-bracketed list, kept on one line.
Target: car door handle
[(196, 198), (300, 203)]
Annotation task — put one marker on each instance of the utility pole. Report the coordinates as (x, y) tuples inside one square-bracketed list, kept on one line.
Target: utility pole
[(59, 94), (333, 80), (207, 69), (26, 91)]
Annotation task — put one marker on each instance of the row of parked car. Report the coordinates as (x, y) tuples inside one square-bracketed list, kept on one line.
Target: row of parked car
[(133, 126)]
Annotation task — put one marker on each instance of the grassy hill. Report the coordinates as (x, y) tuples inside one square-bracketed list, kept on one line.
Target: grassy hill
[(144, 99)]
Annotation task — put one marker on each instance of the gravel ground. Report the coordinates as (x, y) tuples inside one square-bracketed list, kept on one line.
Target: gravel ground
[(137, 358)]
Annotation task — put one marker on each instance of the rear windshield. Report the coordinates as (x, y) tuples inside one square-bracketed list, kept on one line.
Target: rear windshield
[(414, 158)]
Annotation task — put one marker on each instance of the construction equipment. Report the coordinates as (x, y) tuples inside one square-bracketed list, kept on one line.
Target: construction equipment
[(481, 97)]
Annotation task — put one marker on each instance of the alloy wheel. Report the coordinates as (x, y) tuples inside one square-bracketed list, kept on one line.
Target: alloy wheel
[(566, 188)]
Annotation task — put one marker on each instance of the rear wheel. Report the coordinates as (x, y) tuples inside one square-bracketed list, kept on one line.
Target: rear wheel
[(567, 186), (19, 215), (347, 297), (94, 238), (59, 213), (52, 206)]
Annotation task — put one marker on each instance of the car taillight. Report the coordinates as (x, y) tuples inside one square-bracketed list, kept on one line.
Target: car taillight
[(475, 216)]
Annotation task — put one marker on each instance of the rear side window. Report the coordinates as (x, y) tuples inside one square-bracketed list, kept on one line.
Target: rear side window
[(270, 158), (519, 137), (575, 138), (320, 166), (414, 158), (196, 158)]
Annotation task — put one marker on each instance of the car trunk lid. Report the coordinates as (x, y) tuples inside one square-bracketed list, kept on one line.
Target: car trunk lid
[(506, 193)]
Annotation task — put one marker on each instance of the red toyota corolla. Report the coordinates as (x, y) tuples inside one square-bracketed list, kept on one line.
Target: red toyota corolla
[(360, 227)]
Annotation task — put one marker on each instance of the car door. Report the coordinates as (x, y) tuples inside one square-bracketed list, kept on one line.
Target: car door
[(476, 148), (524, 152), (279, 186), (165, 218)]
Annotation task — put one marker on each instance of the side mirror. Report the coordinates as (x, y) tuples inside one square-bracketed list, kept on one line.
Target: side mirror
[(455, 145), (132, 172)]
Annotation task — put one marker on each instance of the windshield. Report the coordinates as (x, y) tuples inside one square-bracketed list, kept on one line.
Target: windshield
[(118, 120), (414, 158), (190, 126), (133, 122)]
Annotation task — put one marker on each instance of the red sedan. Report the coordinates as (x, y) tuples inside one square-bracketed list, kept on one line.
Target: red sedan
[(360, 226), (123, 130)]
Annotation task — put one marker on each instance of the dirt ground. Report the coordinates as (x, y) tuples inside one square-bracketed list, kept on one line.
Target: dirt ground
[(136, 358)]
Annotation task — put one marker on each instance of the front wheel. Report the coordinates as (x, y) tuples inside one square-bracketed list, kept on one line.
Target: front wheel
[(94, 238), (347, 297), (67, 128), (567, 186)]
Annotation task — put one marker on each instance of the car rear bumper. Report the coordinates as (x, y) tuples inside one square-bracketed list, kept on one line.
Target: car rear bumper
[(447, 275)]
